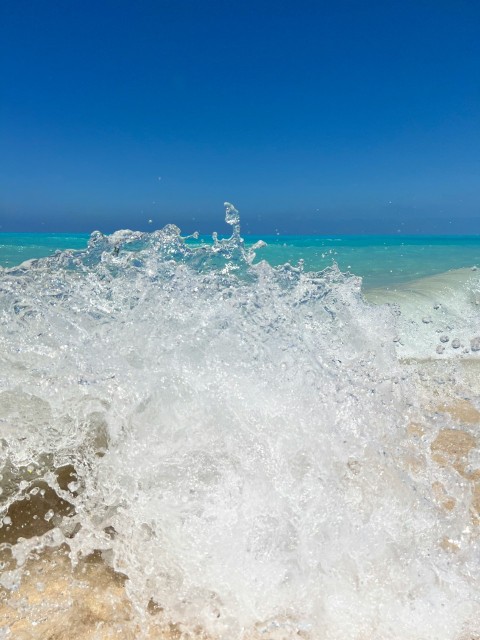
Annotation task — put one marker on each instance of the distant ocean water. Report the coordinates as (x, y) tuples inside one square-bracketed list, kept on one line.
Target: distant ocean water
[(381, 261), (230, 444), (18, 247)]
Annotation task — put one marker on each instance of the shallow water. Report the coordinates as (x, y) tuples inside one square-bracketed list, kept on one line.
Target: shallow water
[(255, 451)]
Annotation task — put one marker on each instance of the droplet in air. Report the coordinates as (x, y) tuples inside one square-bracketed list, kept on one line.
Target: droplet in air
[(475, 344), (231, 214)]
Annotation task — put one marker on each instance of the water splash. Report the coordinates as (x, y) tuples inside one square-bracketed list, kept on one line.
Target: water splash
[(232, 217), (231, 436)]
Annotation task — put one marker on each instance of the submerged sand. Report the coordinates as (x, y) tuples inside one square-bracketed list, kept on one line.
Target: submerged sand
[(56, 601)]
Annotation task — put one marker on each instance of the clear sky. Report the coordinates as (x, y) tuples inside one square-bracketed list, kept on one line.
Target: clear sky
[(311, 116)]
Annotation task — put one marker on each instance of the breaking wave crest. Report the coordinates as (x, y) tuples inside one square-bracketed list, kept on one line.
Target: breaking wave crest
[(232, 437)]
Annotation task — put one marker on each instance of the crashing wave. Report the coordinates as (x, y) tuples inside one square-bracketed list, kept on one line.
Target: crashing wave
[(231, 436)]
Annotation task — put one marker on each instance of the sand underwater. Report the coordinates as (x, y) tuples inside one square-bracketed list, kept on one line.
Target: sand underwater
[(195, 444)]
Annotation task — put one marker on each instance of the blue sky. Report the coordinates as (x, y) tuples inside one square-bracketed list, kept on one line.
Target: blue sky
[(311, 116)]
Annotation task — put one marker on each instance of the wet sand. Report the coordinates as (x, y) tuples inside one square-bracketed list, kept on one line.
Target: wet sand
[(58, 602)]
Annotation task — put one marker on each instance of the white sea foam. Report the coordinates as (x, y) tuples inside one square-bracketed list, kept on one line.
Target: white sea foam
[(238, 438), (438, 316)]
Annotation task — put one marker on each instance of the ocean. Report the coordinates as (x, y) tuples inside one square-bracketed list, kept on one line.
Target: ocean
[(216, 438), (381, 261)]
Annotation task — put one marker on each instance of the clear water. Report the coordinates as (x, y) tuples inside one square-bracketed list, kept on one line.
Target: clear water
[(379, 260), (18, 247), (238, 435)]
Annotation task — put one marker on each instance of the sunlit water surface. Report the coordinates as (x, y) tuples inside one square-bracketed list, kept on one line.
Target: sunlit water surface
[(248, 446)]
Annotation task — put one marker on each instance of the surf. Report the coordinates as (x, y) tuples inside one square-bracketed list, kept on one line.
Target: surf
[(235, 439)]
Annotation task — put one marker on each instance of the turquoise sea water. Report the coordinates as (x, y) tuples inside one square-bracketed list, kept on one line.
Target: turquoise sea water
[(18, 247), (379, 260)]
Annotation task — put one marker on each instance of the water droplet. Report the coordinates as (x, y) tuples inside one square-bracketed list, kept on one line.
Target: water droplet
[(231, 214), (475, 344)]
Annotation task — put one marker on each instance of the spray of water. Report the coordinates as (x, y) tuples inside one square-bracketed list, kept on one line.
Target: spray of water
[(232, 437)]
